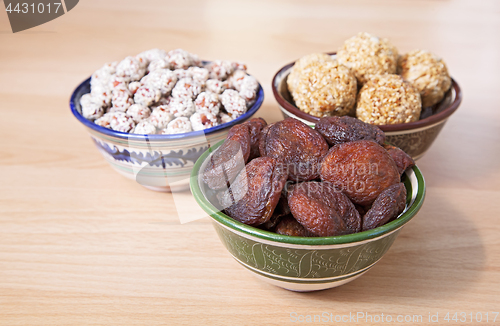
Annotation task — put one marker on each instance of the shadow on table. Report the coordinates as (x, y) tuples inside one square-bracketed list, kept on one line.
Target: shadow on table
[(438, 255)]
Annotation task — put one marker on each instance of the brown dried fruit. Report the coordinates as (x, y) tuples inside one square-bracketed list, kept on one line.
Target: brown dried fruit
[(388, 205), (255, 127), (271, 224), (282, 209), (338, 130), (300, 147), (229, 159), (361, 209), (255, 192), (289, 226), (263, 136), (323, 210), (361, 169), (402, 160)]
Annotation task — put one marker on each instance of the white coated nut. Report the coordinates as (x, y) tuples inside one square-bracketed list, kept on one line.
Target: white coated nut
[(160, 117), (178, 126)]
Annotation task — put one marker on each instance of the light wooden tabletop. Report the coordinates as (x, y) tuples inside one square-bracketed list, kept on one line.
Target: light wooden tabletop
[(81, 245)]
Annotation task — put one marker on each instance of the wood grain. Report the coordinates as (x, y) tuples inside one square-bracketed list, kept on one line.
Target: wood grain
[(81, 245)]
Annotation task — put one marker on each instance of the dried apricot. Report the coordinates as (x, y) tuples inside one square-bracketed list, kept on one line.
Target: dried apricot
[(402, 160), (289, 226), (388, 205), (282, 209), (229, 159), (300, 147), (361, 209), (254, 194), (255, 127), (344, 129), (322, 209), (361, 169), (271, 224)]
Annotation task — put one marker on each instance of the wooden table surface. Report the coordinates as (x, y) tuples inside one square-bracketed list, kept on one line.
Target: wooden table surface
[(82, 245)]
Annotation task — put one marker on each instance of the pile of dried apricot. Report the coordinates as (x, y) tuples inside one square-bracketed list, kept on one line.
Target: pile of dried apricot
[(287, 177)]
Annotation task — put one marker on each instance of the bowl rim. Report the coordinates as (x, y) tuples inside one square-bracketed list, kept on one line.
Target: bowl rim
[(431, 120), (156, 137), (248, 230)]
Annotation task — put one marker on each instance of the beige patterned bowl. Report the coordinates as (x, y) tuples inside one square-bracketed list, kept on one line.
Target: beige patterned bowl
[(415, 138)]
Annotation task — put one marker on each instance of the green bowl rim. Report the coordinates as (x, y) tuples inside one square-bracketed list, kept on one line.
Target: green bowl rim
[(270, 236)]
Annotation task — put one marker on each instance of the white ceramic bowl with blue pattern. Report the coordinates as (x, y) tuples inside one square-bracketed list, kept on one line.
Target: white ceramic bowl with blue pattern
[(158, 162)]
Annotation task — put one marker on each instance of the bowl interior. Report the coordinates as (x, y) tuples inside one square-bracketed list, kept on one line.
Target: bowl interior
[(429, 115), (413, 180), (84, 88)]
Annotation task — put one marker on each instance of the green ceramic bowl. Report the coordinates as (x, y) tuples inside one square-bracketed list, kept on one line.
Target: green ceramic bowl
[(306, 264)]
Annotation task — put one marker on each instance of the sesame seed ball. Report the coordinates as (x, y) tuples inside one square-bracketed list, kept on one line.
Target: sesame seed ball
[(160, 117), (368, 55), (178, 126), (203, 120), (427, 73), (138, 112), (310, 59), (388, 99), (327, 89), (313, 58), (144, 127)]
